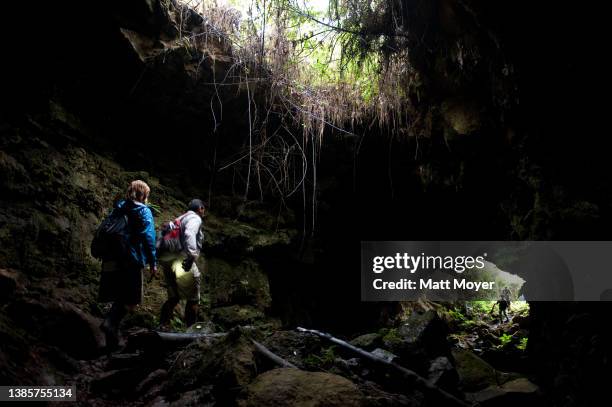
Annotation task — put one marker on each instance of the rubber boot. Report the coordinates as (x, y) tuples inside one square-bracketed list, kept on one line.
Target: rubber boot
[(166, 313), (191, 313), (110, 326)]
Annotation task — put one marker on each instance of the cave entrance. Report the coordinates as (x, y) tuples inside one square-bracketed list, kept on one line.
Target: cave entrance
[(501, 340)]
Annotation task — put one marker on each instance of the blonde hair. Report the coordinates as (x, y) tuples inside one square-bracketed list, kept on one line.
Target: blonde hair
[(138, 191)]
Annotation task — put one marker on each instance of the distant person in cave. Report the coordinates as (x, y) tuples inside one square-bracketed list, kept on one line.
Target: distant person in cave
[(506, 295), (121, 278), (504, 305), (178, 261)]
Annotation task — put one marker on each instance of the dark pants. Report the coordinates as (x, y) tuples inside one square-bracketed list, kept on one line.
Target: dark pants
[(120, 282)]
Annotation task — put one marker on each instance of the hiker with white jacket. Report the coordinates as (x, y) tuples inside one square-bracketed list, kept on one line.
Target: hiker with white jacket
[(179, 247)]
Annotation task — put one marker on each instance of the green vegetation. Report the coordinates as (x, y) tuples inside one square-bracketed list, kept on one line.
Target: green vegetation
[(505, 339), (481, 307), (475, 326), (322, 361), (141, 318), (457, 315), (176, 324), (155, 208), (522, 345), (390, 335), (335, 62)]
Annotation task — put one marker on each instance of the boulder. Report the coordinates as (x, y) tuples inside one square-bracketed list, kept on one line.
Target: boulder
[(236, 315), (193, 398), (474, 373), (376, 396), (231, 239), (9, 283), (151, 380), (118, 361), (462, 116), (368, 341), (515, 392), (521, 320), (117, 382), (241, 283), (293, 346), (61, 324), (419, 339), (442, 373), (292, 387), (227, 363), (385, 355), (14, 178), (425, 329)]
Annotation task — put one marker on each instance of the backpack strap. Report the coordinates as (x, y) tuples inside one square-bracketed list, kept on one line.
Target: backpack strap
[(183, 216)]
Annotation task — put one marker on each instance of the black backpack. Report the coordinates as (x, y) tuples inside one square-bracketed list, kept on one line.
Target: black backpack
[(111, 239)]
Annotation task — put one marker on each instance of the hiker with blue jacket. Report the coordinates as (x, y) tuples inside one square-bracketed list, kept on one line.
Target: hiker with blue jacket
[(121, 277)]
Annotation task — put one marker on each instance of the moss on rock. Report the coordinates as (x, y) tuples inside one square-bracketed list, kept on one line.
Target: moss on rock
[(238, 283), (236, 315), (290, 387), (227, 363)]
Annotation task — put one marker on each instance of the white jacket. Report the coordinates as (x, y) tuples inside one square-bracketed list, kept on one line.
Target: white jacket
[(192, 235)]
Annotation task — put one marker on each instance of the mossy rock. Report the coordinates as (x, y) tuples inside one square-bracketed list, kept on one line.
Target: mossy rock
[(140, 319), (368, 341), (227, 363), (463, 116), (292, 387), (324, 359), (227, 237), (13, 176), (242, 283), (295, 347), (420, 338), (390, 337), (27, 361), (515, 392), (10, 282), (476, 374), (236, 315)]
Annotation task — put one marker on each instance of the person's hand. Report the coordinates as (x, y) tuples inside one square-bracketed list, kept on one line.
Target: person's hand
[(187, 263), (153, 270)]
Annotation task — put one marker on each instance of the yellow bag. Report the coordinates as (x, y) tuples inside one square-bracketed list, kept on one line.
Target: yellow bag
[(185, 280)]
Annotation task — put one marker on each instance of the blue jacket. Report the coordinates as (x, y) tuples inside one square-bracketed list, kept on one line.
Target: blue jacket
[(142, 231)]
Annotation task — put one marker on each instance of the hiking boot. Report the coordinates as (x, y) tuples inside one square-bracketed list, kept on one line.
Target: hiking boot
[(163, 328), (112, 335)]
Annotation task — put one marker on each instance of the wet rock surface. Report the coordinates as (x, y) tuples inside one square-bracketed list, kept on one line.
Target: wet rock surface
[(61, 324), (418, 339), (228, 364), (284, 387), (442, 373), (517, 391), (368, 341)]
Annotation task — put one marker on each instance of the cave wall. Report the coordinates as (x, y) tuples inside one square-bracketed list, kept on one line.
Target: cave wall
[(510, 144), (131, 84), (513, 150), (103, 94)]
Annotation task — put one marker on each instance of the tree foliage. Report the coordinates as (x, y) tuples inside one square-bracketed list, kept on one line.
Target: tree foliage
[(308, 70)]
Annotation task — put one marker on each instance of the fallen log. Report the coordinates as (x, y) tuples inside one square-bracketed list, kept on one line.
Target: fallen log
[(408, 374), (178, 338), (272, 356), (185, 337), (154, 341)]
